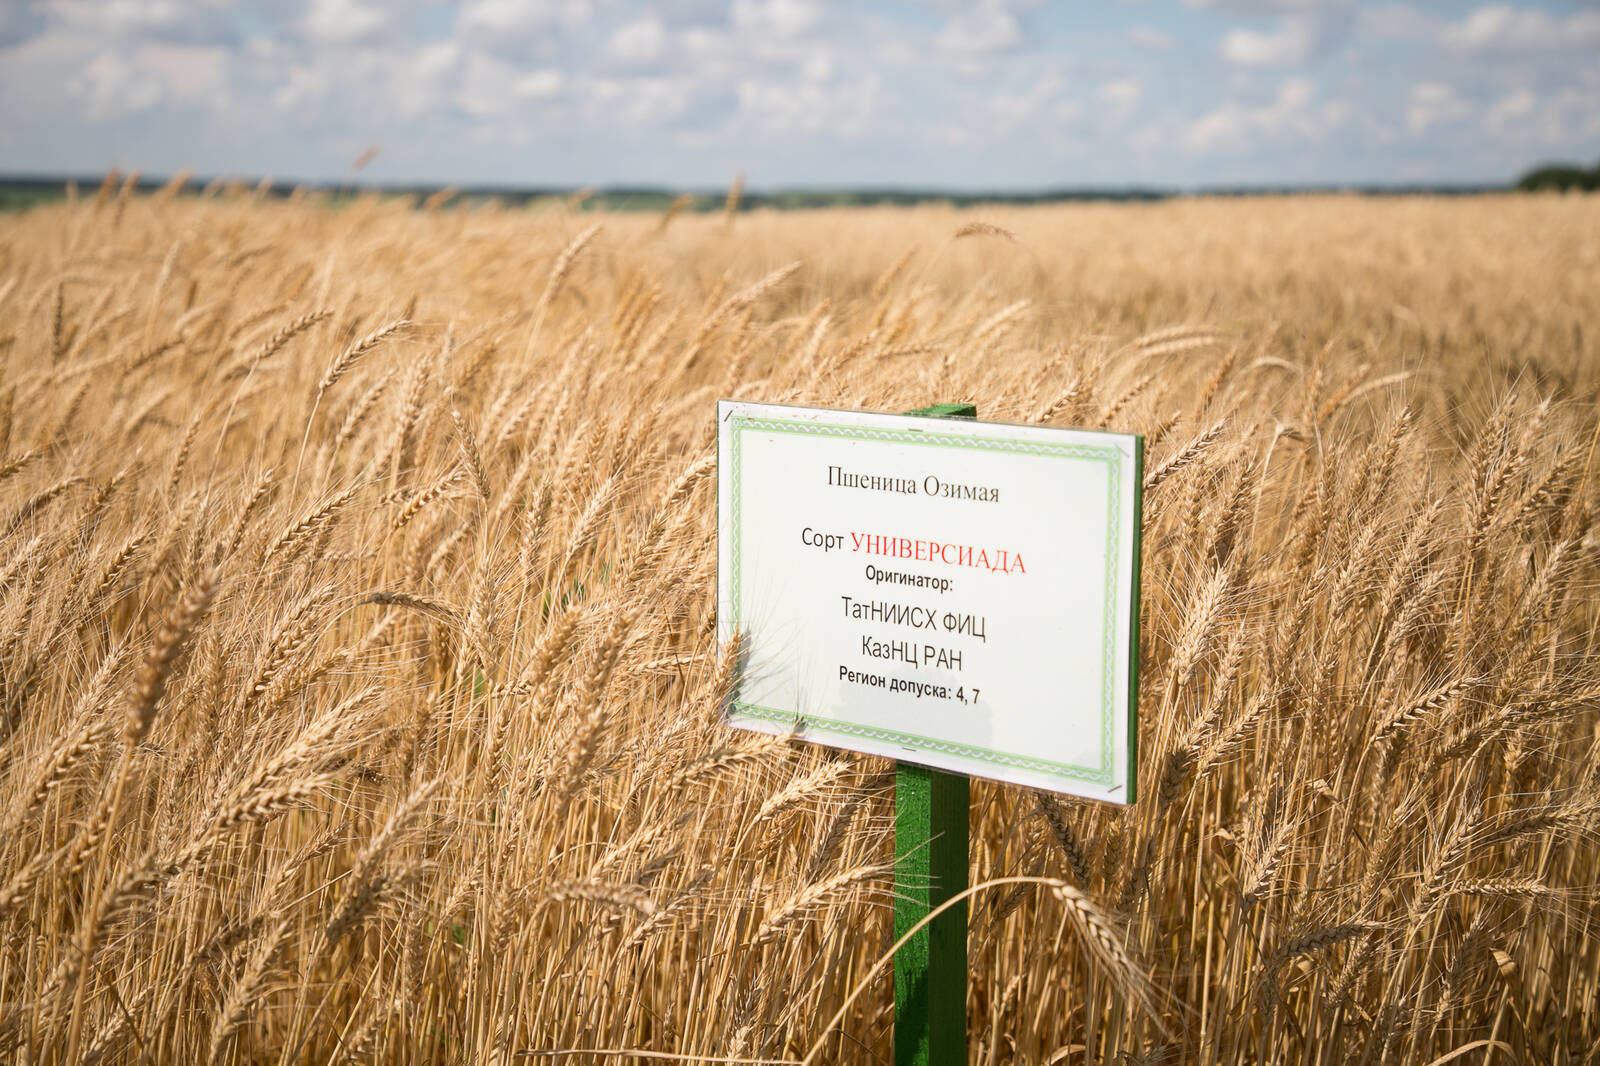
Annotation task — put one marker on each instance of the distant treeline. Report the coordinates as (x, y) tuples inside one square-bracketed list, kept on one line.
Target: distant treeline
[(27, 190), (1560, 176)]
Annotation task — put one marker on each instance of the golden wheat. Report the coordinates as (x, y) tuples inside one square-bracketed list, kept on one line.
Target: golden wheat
[(361, 699)]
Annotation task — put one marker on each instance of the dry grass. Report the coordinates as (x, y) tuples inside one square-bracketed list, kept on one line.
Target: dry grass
[(361, 695)]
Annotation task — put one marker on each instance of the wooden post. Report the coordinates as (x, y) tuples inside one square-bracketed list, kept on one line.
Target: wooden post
[(930, 843)]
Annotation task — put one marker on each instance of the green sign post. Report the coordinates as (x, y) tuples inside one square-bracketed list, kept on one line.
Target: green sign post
[(930, 972), (958, 596), (930, 843)]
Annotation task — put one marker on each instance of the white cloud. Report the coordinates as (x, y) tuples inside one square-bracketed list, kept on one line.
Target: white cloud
[(1510, 113), (119, 23), (778, 18), (1122, 93), (1152, 38), (776, 110), (690, 12), (1292, 42), (1013, 110), (111, 87), (711, 50), (539, 84), (287, 78), (189, 72), (519, 18), (342, 21), (29, 70), (1223, 128), (302, 88), (436, 58), (418, 81), (1433, 103), (1294, 94), (485, 89), (640, 101), (1396, 20), (818, 66), (490, 87), (117, 16), (1572, 114), (639, 42), (1236, 127), (75, 77), (1505, 29), (989, 27), (1269, 7)]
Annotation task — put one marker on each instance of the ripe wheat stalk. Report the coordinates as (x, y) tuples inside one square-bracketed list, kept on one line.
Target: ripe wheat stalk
[(361, 699)]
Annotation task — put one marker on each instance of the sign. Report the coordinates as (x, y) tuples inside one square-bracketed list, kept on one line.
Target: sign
[(958, 594)]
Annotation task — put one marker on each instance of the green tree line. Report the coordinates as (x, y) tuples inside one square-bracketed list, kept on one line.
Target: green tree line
[(1560, 176)]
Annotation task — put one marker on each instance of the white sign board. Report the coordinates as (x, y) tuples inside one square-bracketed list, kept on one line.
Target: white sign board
[(953, 593)]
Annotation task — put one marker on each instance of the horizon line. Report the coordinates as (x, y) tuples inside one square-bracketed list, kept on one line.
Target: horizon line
[(800, 195)]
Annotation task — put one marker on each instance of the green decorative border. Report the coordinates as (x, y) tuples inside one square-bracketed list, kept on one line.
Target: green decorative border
[(1111, 456), (1133, 620)]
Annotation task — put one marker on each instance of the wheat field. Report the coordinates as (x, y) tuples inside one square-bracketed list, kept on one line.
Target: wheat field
[(361, 689)]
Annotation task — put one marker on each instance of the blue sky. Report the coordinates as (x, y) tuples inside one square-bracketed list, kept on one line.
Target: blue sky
[(996, 94)]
